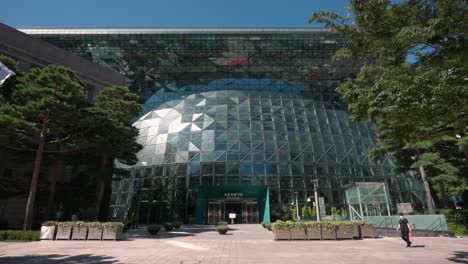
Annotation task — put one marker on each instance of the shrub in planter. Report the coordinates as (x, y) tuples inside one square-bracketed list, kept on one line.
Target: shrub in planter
[(112, 230), (94, 230), (298, 230), (365, 229), (168, 226), (48, 230), (80, 230), (268, 226), (64, 230), (154, 229), (221, 223), (177, 224), (222, 229), (282, 230), (314, 230), (346, 229), (328, 229)]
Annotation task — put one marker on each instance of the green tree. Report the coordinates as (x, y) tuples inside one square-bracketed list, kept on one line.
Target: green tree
[(44, 110), (113, 136), (412, 82)]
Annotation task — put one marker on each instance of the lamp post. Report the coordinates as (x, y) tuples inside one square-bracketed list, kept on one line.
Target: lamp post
[(297, 207), (317, 208)]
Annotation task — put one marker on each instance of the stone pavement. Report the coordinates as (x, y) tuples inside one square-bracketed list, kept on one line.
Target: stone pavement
[(245, 244)]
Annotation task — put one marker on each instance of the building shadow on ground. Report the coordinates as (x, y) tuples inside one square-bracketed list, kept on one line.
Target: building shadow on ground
[(459, 257), (184, 231), (56, 259)]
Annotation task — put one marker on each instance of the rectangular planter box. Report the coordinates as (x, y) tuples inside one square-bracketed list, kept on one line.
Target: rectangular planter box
[(109, 234), (328, 234), (282, 235), (298, 235), (63, 233), (314, 234), (367, 231), (79, 233), (94, 233), (48, 232), (345, 233)]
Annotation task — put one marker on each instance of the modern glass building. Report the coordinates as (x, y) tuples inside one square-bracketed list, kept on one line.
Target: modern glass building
[(237, 121)]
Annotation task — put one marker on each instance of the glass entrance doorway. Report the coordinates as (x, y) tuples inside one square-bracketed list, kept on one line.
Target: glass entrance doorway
[(246, 211)]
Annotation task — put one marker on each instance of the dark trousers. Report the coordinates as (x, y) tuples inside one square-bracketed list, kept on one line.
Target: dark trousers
[(405, 237)]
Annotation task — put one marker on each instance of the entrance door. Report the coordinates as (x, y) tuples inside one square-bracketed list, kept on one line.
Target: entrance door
[(250, 213), (215, 212), (233, 208)]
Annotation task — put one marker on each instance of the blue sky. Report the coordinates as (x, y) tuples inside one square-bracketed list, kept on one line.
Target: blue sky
[(164, 13)]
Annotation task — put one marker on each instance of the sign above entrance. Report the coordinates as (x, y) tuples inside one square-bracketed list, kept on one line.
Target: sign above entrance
[(233, 195)]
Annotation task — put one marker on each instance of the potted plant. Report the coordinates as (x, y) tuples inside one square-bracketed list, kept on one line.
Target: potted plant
[(314, 230), (168, 226), (48, 229), (79, 230), (328, 229), (282, 230), (298, 231), (154, 229), (345, 230), (221, 223), (268, 226), (64, 230), (366, 229), (112, 230), (94, 230), (222, 229), (177, 224)]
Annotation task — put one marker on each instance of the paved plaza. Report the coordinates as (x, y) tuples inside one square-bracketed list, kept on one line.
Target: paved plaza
[(244, 244)]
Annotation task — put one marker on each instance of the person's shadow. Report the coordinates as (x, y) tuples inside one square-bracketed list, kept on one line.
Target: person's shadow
[(459, 257)]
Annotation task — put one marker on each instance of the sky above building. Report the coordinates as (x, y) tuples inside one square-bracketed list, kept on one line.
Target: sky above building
[(164, 13)]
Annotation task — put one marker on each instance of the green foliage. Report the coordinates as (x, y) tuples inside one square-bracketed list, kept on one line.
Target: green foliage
[(308, 212), (458, 229), (420, 105), (19, 235), (334, 211), (222, 228), (168, 226), (154, 229), (458, 217), (113, 226), (50, 223), (221, 223), (97, 225), (325, 225)]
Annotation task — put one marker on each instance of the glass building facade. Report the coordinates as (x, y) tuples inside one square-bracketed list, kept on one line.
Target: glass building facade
[(235, 120)]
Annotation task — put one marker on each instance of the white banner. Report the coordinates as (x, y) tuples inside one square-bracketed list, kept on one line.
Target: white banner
[(4, 73)]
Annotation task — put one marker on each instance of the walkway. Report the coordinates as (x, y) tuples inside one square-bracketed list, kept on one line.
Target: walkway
[(246, 244)]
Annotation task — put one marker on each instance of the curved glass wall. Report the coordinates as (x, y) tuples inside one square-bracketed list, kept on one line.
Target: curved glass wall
[(235, 108)]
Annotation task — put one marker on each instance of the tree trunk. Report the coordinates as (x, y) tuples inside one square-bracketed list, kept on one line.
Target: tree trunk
[(430, 205), (33, 187), (101, 185), (443, 194), (54, 173)]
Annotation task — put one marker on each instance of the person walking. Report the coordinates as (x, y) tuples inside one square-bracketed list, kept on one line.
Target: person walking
[(405, 228)]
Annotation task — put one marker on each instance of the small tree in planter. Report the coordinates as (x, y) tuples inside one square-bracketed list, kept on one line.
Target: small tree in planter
[(64, 230), (94, 230), (221, 223), (48, 230), (112, 230), (222, 229), (168, 226), (282, 230), (268, 226), (80, 230), (328, 229), (154, 229)]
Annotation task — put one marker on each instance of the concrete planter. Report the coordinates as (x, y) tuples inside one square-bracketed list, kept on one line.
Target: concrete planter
[(282, 235), (48, 232), (79, 233), (314, 234), (298, 234), (63, 233), (111, 235), (367, 231), (328, 234), (345, 233), (94, 233)]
